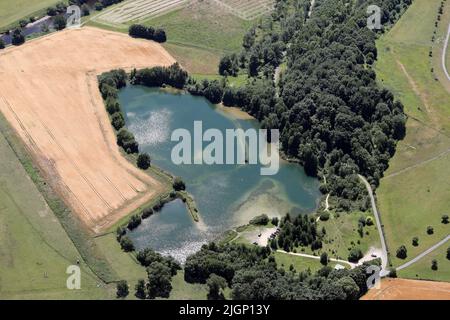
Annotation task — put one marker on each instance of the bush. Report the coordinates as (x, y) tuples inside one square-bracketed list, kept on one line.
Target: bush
[(355, 255), (430, 230), (369, 221), (392, 273), (324, 216), (17, 37), (126, 244), (402, 253), (117, 120), (179, 184), (140, 31), (126, 140), (445, 219), (415, 241), (112, 105), (261, 220), (59, 22), (275, 221), (122, 289), (143, 161), (147, 212), (324, 258), (134, 222), (434, 265)]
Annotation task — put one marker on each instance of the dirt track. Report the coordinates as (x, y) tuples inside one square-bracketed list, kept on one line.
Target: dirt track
[(49, 94), (402, 289)]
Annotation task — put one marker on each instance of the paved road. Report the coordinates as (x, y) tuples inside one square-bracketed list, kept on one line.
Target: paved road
[(444, 51), (384, 255), (352, 265), (423, 254)]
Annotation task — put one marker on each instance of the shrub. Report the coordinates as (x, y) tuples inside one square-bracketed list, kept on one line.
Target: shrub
[(392, 273), (260, 220), (17, 37), (59, 22), (275, 221), (355, 255), (143, 161), (369, 221), (434, 265), (178, 184), (415, 241), (402, 253), (117, 120), (134, 222), (445, 219), (147, 212), (324, 258), (122, 289), (430, 230), (126, 244), (324, 216)]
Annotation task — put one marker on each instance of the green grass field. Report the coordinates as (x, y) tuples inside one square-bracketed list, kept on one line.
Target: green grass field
[(198, 35), (416, 197), (422, 269), (13, 11), (285, 260), (35, 250), (342, 235)]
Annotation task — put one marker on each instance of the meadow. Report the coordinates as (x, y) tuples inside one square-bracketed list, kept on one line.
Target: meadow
[(415, 192)]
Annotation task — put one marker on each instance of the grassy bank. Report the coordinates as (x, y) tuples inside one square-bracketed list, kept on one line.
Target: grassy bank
[(415, 192)]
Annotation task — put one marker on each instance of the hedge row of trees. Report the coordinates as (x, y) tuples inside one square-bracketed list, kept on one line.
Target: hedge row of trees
[(150, 33), (252, 273), (173, 76)]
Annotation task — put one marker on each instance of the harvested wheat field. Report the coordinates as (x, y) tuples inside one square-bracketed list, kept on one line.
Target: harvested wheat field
[(49, 94), (403, 289)]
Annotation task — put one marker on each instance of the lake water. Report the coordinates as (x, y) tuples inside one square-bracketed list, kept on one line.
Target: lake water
[(226, 195)]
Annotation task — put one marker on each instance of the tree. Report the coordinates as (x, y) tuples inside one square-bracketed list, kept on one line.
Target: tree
[(143, 161), (126, 140), (117, 120), (17, 37), (122, 289), (126, 244), (275, 221), (430, 230), (140, 289), (160, 36), (355, 255), (324, 258), (261, 220), (324, 216), (434, 265), (445, 219), (216, 284), (134, 222), (448, 253), (415, 241), (402, 253), (85, 10), (59, 22), (349, 286), (159, 280), (178, 184)]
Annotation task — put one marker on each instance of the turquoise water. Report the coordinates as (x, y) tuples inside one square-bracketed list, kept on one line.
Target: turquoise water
[(226, 195)]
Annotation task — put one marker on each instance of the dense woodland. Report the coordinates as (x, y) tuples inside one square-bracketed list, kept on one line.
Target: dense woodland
[(331, 113), (253, 274)]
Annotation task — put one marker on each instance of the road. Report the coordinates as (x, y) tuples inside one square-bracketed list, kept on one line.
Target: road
[(423, 254), (384, 255), (444, 67)]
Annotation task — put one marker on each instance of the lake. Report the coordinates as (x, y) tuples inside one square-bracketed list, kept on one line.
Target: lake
[(226, 195)]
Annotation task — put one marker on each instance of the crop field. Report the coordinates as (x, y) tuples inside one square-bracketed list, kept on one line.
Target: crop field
[(402, 289), (49, 95), (138, 10), (415, 191)]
